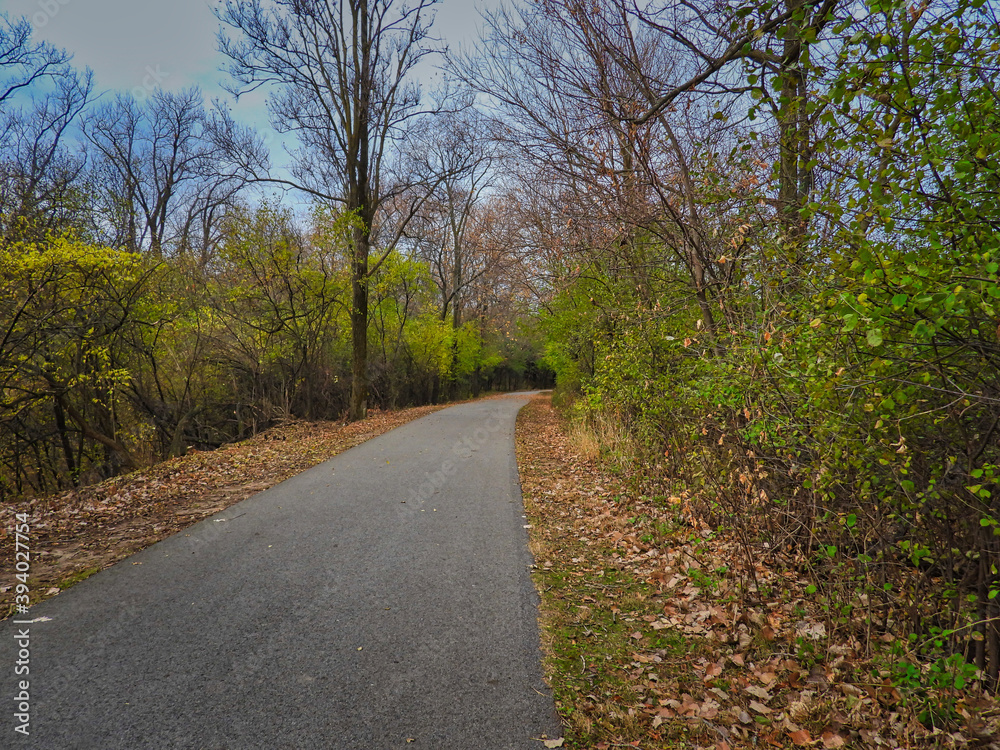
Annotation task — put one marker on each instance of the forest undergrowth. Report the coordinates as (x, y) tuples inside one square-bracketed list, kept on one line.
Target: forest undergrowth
[(660, 631)]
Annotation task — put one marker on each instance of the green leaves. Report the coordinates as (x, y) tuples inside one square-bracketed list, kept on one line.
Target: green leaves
[(855, 384)]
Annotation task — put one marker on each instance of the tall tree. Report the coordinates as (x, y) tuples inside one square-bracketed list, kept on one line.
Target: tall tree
[(342, 78), (25, 63), (774, 39), (563, 75)]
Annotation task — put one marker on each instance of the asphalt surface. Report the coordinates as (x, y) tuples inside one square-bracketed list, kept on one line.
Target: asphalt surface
[(379, 600)]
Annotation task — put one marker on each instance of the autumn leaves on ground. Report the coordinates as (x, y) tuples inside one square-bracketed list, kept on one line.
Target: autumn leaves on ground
[(658, 631)]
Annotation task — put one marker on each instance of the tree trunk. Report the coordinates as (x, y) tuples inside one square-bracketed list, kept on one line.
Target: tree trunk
[(359, 329), (123, 457), (456, 276), (71, 467), (359, 202)]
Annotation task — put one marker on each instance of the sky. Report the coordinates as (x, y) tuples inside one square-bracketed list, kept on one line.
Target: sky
[(136, 45)]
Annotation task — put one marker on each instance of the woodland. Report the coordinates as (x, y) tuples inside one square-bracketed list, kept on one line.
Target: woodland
[(754, 247)]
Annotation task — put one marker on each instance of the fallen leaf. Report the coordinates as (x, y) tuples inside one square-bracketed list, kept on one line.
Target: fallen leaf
[(723, 695), (832, 740), (709, 709), (801, 737), (815, 630), (554, 743), (760, 707)]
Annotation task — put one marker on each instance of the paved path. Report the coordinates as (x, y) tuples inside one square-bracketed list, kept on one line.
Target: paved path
[(379, 600)]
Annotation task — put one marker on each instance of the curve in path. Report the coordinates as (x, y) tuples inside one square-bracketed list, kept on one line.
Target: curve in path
[(379, 600)]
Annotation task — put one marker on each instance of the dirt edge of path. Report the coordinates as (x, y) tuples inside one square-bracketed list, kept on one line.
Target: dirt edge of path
[(659, 633)]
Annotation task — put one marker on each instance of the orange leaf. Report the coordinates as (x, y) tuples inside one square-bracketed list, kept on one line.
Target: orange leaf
[(801, 737)]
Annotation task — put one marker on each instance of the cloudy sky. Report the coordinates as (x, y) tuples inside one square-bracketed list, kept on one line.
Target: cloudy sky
[(134, 43)]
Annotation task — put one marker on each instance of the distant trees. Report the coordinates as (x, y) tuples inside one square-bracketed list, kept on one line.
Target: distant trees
[(450, 233), (66, 312), (152, 302), (571, 82), (342, 73), (158, 173), (110, 358), (457, 156), (280, 297), (40, 97)]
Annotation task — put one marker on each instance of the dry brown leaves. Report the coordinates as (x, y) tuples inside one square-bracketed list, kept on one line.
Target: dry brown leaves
[(93, 527), (727, 652)]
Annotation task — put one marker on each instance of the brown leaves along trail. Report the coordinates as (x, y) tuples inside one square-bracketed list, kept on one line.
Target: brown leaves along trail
[(76, 533), (659, 632)]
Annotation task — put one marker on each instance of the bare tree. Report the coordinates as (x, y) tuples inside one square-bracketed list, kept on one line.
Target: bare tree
[(23, 63), (40, 97), (458, 155), (199, 230), (774, 40), (563, 76), (155, 158), (341, 72)]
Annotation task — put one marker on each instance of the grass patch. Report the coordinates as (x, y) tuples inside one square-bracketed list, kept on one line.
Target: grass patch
[(75, 578), (609, 678), (611, 672)]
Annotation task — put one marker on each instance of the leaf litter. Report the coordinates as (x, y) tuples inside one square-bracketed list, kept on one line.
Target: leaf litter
[(659, 633)]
